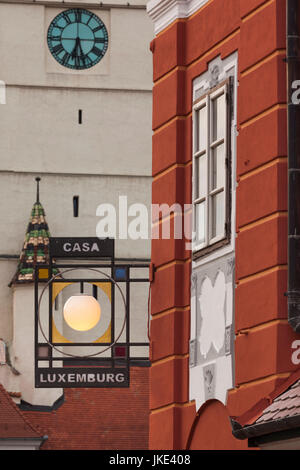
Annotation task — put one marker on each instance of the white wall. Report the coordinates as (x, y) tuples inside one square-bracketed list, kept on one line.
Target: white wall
[(17, 191), (23, 347), (40, 131)]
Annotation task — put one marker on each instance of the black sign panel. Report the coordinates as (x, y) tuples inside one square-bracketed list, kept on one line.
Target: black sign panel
[(88, 247), (87, 377)]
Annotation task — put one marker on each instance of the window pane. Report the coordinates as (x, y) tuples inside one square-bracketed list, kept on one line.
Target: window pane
[(200, 222), (201, 176), (201, 129), (218, 214), (218, 117), (218, 167)]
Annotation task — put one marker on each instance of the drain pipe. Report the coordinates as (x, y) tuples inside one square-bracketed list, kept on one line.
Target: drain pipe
[(293, 83)]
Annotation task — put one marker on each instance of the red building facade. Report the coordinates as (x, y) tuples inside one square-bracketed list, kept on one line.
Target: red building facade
[(220, 148)]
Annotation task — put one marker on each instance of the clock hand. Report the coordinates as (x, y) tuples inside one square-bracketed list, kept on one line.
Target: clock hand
[(73, 54), (77, 51), (81, 54), (80, 49)]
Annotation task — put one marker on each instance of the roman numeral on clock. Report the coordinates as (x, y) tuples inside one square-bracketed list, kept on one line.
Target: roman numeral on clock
[(98, 28), (91, 16), (86, 60), (55, 38), (66, 58), (96, 51), (101, 40), (58, 49), (77, 61), (78, 16), (66, 18)]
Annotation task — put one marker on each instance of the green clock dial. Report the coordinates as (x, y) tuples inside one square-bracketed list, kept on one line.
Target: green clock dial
[(77, 39)]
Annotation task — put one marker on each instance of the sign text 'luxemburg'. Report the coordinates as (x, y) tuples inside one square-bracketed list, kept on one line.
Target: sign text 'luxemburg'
[(82, 377)]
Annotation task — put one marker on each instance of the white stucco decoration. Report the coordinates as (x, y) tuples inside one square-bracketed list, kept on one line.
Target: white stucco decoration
[(212, 299), (164, 12), (212, 367)]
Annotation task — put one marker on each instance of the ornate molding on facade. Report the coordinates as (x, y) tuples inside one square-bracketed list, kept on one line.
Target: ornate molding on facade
[(194, 282), (164, 12), (216, 72)]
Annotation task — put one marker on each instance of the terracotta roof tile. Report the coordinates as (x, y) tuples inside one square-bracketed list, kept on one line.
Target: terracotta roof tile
[(278, 411), (292, 402), (296, 385), (292, 392), (285, 405), (266, 417), (13, 424)]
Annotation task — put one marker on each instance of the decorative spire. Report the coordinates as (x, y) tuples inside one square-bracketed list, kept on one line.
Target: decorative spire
[(36, 244)]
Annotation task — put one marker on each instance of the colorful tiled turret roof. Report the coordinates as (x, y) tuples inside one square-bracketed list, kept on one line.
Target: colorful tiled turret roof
[(36, 244)]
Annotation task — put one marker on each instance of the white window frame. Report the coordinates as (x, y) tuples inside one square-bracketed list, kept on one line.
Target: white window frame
[(211, 242)]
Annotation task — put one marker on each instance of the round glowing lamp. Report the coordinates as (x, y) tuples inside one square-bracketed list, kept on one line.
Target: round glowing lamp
[(82, 312)]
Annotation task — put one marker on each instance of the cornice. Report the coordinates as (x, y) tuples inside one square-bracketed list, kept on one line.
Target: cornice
[(164, 12)]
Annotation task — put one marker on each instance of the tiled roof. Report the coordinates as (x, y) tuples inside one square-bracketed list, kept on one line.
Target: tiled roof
[(99, 418), (285, 405), (35, 249), (279, 411), (13, 424)]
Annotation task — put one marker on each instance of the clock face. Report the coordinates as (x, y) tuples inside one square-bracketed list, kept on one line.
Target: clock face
[(77, 39)]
